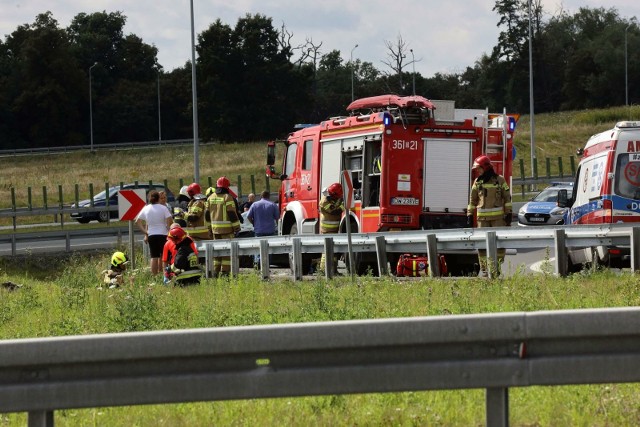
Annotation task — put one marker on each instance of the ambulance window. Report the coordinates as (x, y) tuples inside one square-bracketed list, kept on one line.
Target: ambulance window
[(290, 164), (307, 155), (627, 177)]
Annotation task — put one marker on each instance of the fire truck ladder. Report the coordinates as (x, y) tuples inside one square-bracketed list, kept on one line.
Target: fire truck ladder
[(495, 143)]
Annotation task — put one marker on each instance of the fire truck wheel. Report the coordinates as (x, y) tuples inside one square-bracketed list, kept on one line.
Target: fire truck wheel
[(306, 258)]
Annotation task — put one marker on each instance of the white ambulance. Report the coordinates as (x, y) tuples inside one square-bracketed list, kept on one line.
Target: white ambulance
[(606, 189)]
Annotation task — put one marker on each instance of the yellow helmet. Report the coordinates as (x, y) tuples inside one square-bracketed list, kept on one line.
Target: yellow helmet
[(119, 259)]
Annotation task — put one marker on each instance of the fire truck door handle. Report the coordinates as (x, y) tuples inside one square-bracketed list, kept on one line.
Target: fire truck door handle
[(308, 188)]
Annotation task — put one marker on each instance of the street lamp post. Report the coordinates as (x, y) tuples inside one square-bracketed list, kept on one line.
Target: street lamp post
[(413, 62), (91, 107), (626, 79), (159, 122), (351, 64), (531, 113), (196, 153)]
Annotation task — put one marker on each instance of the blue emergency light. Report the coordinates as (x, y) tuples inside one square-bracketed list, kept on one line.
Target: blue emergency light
[(512, 124), (387, 119)]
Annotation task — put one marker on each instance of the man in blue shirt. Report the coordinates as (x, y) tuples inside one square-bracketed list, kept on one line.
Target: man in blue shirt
[(264, 215)]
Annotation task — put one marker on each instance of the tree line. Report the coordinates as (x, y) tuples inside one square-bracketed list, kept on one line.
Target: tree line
[(254, 84)]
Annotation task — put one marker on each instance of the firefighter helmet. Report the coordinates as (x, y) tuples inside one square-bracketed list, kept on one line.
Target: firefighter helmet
[(483, 162), (183, 191), (223, 182), (177, 234), (335, 191), (119, 259), (194, 189)]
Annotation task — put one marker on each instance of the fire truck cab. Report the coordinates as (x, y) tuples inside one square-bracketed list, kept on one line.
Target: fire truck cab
[(410, 165)]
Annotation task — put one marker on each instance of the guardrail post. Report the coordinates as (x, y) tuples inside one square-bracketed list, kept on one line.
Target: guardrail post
[(522, 175), (497, 407), (235, 259), (562, 255), (106, 200), (40, 419), (635, 249), (13, 244), (253, 184), (91, 194), (328, 258), (296, 246), (548, 166), (29, 204), (208, 256), (432, 255), (560, 171), (492, 254), (77, 195), (573, 165), (67, 241), (44, 197), (264, 258), (239, 186), (13, 207), (61, 204), (210, 182), (381, 255)]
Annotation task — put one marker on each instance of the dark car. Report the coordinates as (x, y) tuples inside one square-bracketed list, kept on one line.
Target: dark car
[(99, 200), (543, 209)]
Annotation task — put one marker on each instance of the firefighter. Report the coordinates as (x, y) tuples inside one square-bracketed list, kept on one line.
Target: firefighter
[(113, 276), (490, 199), (225, 222), (331, 208), (184, 268), (195, 216)]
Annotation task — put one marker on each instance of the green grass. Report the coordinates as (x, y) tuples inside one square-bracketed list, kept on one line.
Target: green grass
[(67, 301)]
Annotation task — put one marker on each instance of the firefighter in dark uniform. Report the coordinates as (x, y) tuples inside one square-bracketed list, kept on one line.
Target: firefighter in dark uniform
[(223, 215), (490, 199), (331, 207)]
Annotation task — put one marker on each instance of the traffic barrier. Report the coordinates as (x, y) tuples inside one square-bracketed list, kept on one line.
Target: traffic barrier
[(491, 351)]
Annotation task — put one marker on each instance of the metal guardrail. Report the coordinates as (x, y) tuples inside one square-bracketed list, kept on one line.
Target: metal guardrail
[(16, 152), (491, 351), (431, 242), (69, 236)]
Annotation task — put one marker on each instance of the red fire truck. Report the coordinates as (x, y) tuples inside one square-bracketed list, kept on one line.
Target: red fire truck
[(410, 164)]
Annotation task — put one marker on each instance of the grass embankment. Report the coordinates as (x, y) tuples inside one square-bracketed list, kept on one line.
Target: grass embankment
[(66, 301)]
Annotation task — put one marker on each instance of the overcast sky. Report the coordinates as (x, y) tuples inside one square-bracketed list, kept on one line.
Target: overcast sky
[(446, 36)]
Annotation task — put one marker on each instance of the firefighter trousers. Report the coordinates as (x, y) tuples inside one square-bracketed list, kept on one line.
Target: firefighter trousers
[(222, 264)]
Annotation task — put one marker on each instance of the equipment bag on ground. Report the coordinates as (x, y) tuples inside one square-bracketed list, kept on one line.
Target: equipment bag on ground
[(417, 265)]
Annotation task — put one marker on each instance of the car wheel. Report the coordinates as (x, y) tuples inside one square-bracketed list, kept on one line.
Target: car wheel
[(103, 216)]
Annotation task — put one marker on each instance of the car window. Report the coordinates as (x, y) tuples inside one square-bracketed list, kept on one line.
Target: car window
[(551, 194)]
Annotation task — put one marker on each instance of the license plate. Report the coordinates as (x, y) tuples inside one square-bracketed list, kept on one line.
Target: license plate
[(405, 201), (535, 219)]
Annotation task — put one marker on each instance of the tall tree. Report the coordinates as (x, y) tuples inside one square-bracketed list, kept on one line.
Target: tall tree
[(43, 85)]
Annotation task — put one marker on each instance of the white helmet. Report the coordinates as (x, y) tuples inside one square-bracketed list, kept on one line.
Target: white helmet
[(183, 190)]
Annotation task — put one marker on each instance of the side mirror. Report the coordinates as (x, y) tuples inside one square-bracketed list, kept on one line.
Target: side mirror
[(270, 171), (271, 153), (563, 198)]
